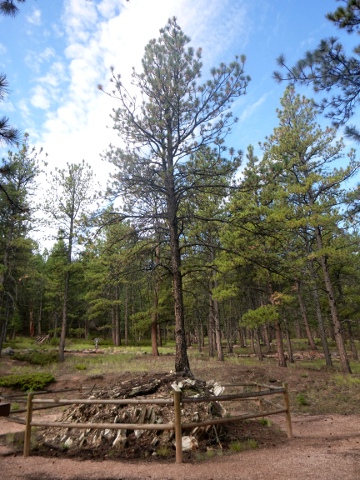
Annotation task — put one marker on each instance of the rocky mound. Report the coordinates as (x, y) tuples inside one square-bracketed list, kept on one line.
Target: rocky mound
[(124, 443)]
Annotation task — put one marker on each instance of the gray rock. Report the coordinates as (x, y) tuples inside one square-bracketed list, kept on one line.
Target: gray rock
[(8, 351)]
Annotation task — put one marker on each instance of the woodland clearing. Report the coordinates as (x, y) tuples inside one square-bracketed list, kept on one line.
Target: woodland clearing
[(325, 414)]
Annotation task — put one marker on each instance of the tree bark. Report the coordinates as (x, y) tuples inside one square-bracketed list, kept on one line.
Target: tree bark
[(304, 316), (344, 360), (258, 342), (181, 357), (64, 317), (319, 317)]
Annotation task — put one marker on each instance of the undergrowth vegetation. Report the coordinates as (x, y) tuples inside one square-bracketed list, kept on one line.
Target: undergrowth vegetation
[(27, 382), (314, 388)]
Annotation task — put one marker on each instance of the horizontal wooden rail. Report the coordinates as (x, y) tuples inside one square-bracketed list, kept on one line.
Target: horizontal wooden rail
[(103, 426), (176, 400), (219, 421), (99, 401), (232, 396)]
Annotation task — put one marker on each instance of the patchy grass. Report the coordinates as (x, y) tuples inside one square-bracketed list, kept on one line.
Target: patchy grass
[(314, 388), (27, 382), (239, 446), (37, 357)]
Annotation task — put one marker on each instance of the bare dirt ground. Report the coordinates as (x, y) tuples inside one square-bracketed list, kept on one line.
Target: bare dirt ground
[(325, 446)]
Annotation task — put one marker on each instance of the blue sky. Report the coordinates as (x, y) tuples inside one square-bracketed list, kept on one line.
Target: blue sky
[(56, 52)]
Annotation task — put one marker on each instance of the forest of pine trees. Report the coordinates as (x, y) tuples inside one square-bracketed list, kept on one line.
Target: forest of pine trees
[(191, 242)]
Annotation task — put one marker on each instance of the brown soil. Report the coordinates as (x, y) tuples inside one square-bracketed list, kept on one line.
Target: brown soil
[(325, 446)]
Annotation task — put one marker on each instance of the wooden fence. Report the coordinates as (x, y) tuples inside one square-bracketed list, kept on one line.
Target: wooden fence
[(266, 408)]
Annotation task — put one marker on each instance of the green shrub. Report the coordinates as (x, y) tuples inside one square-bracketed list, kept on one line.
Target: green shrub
[(31, 381), (265, 421), (80, 366), (77, 332), (301, 399), (36, 357), (55, 341)]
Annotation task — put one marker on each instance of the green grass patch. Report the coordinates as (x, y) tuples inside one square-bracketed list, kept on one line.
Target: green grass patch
[(164, 452), (346, 380), (265, 421), (80, 366), (302, 400), (36, 357), (27, 382), (238, 446)]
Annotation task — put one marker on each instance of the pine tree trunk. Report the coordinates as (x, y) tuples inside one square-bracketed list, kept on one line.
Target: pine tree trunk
[(304, 317), (211, 330), (280, 345), (155, 314), (352, 342), (219, 348), (252, 342), (319, 318), (288, 343), (267, 337), (181, 358), (344, 361), (126, 317), (258, 342), (64, 318), (39, 318)]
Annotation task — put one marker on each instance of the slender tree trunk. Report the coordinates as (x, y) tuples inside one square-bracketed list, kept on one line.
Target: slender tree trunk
[(319, 317), (155, 314), (304, 317), (31, 315), (64, 317), (39, 317), (258, 342), (126, 316), (344, 361), (242, 337), (115, 313), (211, 330), (267, 337), (252, 341), (297, 327), (219, 348), (199, 331), (352, 342), (288, 342), (278, 334), (279, 345)]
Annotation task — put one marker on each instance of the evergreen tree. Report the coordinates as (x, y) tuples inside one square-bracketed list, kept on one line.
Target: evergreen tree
[(18, 175), (330, 68), (67, 202), (307, 192), (177, 117)]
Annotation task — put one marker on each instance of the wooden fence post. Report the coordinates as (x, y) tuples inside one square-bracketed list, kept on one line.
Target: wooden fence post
[(260, 401), (178, 430), (288, 415), (29, 411)]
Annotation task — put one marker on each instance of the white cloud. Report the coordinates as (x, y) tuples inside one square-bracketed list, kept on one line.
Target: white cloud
[(251, 109), (55, 76), (40, 98), (35, 17), (35, 59), (7, 107), (108, 33)]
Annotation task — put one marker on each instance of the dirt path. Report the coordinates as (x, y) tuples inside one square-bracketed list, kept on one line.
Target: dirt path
[(323, 448)]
